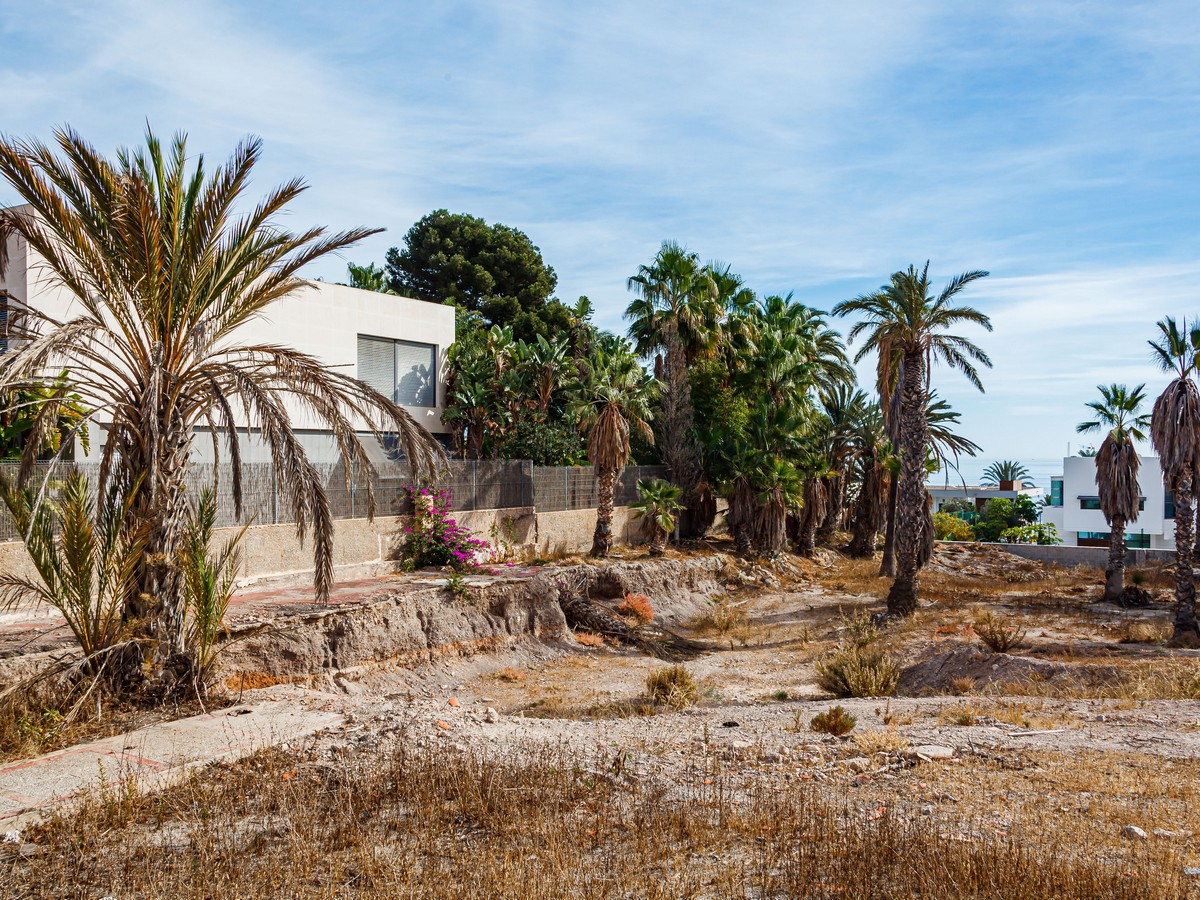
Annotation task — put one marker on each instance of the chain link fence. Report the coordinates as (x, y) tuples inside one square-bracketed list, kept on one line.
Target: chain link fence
[(472, 484)]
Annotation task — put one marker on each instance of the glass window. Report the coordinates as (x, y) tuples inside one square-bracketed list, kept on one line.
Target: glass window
[(403, 370), (1096, 538), (1056, 492), (1169, 505), (1089, 502)]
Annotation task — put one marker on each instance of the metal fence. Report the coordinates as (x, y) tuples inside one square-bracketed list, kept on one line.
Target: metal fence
[(472, 484), (557, 488)]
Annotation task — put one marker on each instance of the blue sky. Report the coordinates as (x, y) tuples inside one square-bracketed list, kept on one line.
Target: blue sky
[(815, 147)]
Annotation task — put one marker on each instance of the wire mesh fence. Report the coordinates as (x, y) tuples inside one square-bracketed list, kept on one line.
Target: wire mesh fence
[(472, 484)]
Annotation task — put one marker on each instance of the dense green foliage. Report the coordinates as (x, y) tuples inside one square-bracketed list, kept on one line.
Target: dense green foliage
[(493, 270)]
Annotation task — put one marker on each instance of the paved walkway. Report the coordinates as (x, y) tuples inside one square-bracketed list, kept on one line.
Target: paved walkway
[(158, 754)]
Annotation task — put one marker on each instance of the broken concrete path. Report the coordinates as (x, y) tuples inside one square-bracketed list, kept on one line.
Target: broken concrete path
[(158, 754)]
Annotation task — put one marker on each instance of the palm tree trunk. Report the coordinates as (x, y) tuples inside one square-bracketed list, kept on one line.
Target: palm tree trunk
[(1114, 577), (1186, 631), (888, 566), (606, 482), (677, 439), (833, 512), (155, 604), (910, 507), (658, 541)]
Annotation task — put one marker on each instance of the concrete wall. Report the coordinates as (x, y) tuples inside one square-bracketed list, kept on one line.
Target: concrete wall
[(275, 557), (1080, 556)]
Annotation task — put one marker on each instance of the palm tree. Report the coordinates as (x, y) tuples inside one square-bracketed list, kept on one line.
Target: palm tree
[(613, 400), (675, 316), (162, 272), (1117, 467), (902, 319), (1003, 470), (1175, 436), (369, 278), (658, 503)]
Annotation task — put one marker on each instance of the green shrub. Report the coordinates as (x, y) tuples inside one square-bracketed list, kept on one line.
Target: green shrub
[(947, 527), (1042, 533), (835, 721), (859, 672)]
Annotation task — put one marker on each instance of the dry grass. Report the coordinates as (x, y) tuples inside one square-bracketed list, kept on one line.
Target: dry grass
[(858, 672), (835, 721), (1146, 633), (880, 740), (50, 716), (998, 634), (724, 616), (673, 687), (550, 824), (589, 639)]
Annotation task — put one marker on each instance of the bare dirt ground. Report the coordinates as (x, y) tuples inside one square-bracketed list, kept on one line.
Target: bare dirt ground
[(1084, 738)]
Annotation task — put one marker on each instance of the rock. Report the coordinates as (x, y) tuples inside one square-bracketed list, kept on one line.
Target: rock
[(491, 716), (1133, 833), (927, 809), (1191, 871), (740, 745), (771, 757), (11, 837), (929, 752), (1163, 832), (730, 724), (857, 764)]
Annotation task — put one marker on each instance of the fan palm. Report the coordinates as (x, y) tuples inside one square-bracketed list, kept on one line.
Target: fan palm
[(163, 273), (1117, 467), (658, 502), (613, 400), (1175, 436), (1003, 470), (903, 319)]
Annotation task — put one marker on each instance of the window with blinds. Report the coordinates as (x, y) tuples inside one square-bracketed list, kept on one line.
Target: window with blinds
[(403, 370), (3, 323)]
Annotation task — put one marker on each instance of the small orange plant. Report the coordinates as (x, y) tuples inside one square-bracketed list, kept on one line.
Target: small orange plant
[(637, 606), (588, 639)]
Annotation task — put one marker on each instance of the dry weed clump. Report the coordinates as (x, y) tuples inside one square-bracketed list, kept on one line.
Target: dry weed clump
[(637, 607), (589, 639), (998, 634), (880, 740), (723, 617), (547, 823), (835, 721), (858, 672), (673, 687), (1145, 633)]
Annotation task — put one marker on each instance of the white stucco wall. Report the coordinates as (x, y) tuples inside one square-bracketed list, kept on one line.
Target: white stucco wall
[(1079, 480)]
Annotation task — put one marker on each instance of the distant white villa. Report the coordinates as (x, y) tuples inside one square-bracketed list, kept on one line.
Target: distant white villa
[(1074, 507)]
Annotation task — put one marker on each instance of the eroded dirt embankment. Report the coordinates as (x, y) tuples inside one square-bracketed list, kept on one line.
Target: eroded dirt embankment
[(409, 625)]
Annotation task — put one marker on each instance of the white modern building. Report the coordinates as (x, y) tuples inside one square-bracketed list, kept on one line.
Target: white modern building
[(1074, 507), (395, 344)]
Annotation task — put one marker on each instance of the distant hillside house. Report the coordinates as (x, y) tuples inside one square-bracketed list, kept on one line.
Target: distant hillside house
[(395, 344), (1074, 507)]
